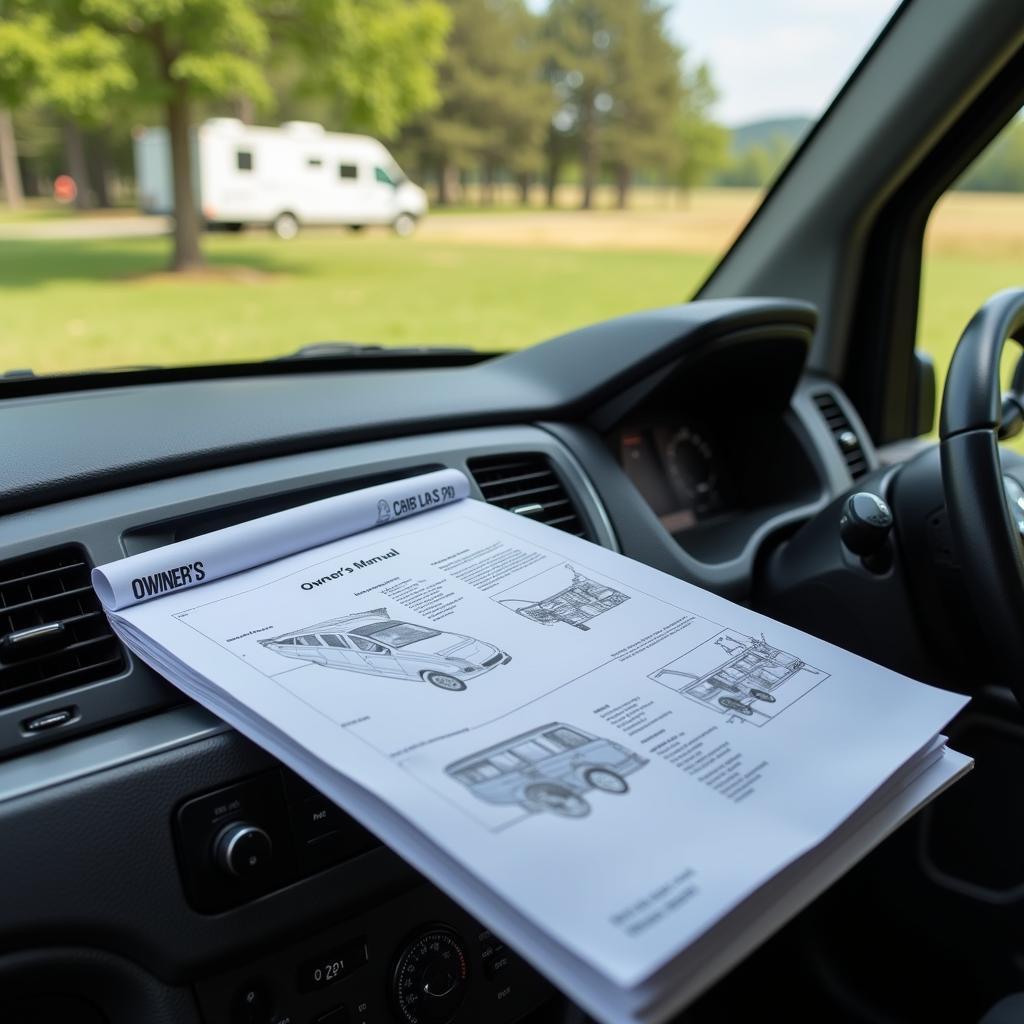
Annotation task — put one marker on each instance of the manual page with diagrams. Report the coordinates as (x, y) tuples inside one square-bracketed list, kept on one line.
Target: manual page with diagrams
[(613, 757)]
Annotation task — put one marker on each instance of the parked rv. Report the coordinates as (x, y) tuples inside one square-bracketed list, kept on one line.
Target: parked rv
[(375, 644), (282, 177), (548, 769)]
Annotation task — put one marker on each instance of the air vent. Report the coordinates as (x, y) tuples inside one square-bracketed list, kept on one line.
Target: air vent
[(528, 486), (843, 432), (53, 633)]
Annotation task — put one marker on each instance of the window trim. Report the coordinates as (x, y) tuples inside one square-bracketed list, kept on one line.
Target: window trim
[(880, 376)]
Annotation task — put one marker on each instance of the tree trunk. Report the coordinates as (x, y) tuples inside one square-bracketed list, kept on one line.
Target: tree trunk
[(623, 180), (588, 155), (553, 169), (244, 109), (447, 183), (98, 156), (10, 175), (487, 186), (187, 253), (524, 181), (74, 154)]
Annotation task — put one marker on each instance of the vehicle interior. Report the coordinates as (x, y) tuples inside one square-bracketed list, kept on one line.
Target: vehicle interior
[(720, 440)]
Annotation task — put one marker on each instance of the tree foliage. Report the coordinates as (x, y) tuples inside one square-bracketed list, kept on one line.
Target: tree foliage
[(494, 105)]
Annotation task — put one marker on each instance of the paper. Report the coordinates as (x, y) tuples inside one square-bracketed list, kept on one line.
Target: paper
[(592, 755)]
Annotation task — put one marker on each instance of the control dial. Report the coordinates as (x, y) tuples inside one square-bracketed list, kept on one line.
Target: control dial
[(430, 977), (243, 850)]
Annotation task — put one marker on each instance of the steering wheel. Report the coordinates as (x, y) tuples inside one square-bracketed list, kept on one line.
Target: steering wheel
[(986, 535)]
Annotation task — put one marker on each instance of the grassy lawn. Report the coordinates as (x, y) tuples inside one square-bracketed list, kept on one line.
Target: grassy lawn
[(490, 282), (81, 304)]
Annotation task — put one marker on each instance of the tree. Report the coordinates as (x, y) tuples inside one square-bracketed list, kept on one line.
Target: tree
[(83, 80), (618, 76), (23, 47), (702, 144), (376, 56), (494, 105), (757, 165)]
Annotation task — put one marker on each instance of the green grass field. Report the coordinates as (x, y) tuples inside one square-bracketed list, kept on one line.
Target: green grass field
[(493, 283), (72, 305)]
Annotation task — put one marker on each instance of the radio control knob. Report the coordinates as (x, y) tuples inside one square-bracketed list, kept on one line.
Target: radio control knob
[(243, 850)]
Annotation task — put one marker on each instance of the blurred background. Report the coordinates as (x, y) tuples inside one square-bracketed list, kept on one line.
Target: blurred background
[(582, 159)]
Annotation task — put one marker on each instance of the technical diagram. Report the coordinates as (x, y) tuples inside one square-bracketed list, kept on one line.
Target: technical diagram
[(550, 768), (739, 675), (375, 644), (576, 604)]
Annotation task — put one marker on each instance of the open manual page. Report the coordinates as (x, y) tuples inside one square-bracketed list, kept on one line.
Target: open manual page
[(629, 779)]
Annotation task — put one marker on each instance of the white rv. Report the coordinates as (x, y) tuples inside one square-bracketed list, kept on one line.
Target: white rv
[(282, 177)]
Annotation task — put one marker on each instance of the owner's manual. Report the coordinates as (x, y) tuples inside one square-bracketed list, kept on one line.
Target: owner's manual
[(631, 780)]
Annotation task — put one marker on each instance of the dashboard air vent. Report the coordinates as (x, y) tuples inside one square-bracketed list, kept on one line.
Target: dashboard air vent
[(846, 438), (53, 633), (529, 486)]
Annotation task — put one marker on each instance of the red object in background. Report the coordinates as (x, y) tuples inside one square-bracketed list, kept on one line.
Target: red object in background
[(64, 188)]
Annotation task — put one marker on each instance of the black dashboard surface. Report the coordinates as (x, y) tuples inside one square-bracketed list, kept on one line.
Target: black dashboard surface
[(65, 445)]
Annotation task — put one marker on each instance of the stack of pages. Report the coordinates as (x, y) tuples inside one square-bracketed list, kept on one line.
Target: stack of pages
[(632, 781)]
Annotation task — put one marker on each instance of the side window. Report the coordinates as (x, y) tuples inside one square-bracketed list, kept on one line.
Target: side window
[(333, 640), (972, 249), (314, 162), (567, 738), (288, 640), (348, 172), (243, 159), (310, 640), (368, 645), (382, 176)]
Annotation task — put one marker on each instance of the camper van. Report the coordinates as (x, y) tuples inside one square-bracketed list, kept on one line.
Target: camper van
[(282, 177), (375, 644), (548, 769)]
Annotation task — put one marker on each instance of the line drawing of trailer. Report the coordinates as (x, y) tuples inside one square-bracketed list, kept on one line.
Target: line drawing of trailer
[(741, 676), (575, 605), (551, 768)]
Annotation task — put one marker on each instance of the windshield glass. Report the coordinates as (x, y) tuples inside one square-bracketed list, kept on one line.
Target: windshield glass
[(396, 634), (563, 161)]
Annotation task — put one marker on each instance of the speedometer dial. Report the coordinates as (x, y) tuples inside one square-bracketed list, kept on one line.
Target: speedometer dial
[(690, 465)]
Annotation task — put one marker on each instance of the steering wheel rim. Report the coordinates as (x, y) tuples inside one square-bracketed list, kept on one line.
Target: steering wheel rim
[(986, 541)]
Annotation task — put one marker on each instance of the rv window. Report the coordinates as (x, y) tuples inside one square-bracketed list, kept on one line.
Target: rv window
[(382, 176), (479, 772), (314, 161), (308, 641), (243, 158), (348, 171), (567, 738), (333, 640), (506, 761), (534, 750)]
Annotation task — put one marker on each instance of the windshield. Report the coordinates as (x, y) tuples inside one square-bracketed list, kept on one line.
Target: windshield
[(564, 161), (396, 634)]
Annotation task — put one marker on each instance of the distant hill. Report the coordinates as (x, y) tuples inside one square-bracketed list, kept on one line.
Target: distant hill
[(767, 133)]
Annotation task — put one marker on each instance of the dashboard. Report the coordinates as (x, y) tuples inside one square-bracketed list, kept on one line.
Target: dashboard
[(687, 438), (677, 468)]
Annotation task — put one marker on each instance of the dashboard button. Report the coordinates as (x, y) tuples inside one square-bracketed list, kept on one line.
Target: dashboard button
[(319, 818), (243, 850)]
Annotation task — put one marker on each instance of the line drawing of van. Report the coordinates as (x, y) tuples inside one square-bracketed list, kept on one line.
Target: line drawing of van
[(550, 768), (736, 674), (375, 644), (575, 605)]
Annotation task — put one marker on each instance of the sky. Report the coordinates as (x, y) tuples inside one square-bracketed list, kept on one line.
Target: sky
[(772, 58)]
